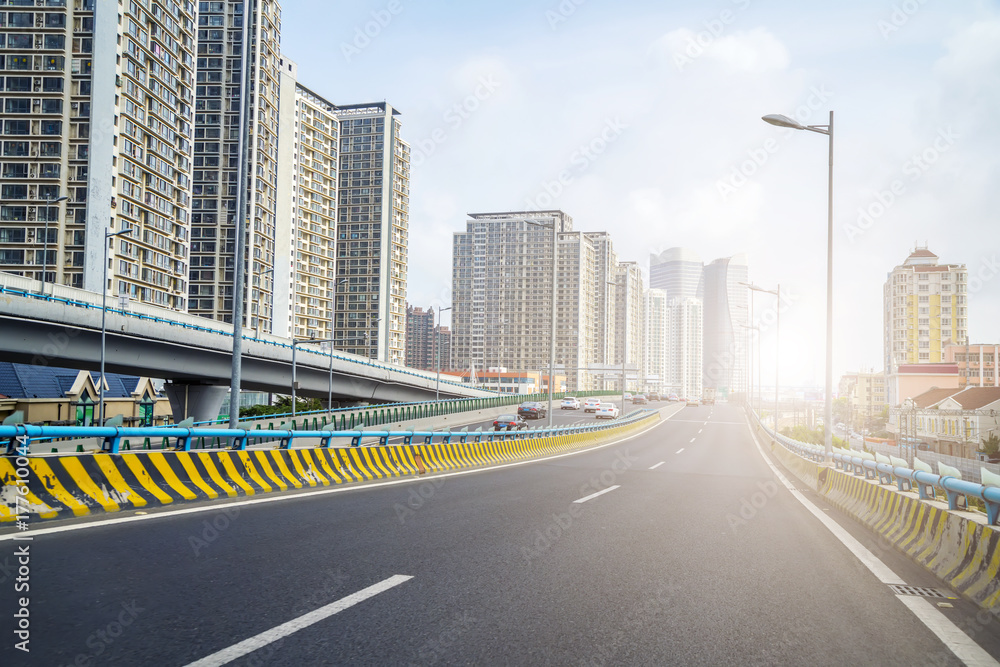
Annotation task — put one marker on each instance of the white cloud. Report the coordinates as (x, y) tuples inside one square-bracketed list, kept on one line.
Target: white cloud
[(754, 51)]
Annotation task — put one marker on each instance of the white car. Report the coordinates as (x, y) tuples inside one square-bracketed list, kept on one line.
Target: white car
[(591, 404), (607, 410), (570, 403)]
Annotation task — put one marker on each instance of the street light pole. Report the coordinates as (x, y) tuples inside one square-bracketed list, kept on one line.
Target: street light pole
[(777, 341), (295, 344), (104, 312), (45, 251), (784, 121), (437, 355)]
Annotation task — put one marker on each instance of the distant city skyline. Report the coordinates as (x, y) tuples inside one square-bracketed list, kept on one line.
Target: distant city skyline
[(639, 119)]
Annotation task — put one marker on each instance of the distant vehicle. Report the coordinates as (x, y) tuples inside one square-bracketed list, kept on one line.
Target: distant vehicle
[(532, 410), (570, 403), (673, 398), (653, 396), (607, 411), (692, 402), (708, 396), (639, 399), (509, 423), (628, 396), (591, 404), (840, 426)]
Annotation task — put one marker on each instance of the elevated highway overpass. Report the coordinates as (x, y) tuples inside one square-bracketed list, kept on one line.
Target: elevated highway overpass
[(63, 328)]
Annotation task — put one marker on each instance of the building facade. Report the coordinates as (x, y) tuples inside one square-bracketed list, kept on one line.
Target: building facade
[(629, 335), (305, 276), (977, 364), (925, 309), (726, 314), (420, 341), (373, 215), (685, 335), (219, 94), (97, 108), (655, 358)]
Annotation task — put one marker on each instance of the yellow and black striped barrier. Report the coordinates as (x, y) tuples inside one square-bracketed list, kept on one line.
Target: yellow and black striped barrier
[(51, 487)]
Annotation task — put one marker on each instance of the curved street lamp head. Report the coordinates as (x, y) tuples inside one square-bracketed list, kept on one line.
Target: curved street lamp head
[(782, 121)]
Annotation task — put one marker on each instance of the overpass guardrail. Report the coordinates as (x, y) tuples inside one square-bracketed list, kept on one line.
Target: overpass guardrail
[(888, 470)]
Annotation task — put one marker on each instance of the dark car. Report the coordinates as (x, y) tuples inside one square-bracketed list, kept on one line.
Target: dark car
[(639, 399), (509, 423), (532, 410), (653, 396)]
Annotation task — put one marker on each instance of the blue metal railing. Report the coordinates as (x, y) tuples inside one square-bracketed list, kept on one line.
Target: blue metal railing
[(864, 464), (20, 436)]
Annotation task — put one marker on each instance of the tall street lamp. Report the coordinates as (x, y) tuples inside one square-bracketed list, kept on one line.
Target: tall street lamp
[(437, 354), (295, 344), (104, 313), (785, 121), (555, 296), (45, 251), (750, 355), (777, 339)]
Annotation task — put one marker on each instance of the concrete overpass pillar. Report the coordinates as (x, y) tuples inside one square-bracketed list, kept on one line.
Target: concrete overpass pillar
[(201, 401)]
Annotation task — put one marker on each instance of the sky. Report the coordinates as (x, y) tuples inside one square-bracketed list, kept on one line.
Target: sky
[(644, 119)]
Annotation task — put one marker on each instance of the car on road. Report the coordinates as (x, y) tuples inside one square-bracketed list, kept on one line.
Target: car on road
[(570, 403), (591, 404), (673, 398), (607, 411), (653, 396), (639, 399), (692, 402), (532, 410), (628, 396), (509, 423)]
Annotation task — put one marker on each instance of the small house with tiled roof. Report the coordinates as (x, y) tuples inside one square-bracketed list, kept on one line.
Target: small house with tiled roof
[(69, 397)]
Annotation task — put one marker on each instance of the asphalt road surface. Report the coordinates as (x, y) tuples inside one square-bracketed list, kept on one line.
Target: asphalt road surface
[(677, 546)]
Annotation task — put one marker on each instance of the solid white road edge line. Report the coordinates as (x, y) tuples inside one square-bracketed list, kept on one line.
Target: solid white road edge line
[(950, 635), (250, 645), (214, 507), (657, 465), (599, 493)]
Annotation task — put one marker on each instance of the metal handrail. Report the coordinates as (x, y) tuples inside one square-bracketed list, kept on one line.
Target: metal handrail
[(20, 436), (864, 464)]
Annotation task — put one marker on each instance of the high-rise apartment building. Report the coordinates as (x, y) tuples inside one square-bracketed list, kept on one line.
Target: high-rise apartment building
[(502, 290), (219, 93), (629, 305), (420, 338), (97, 107), (677, 271), (655, 362), (925, 309), (725, 297), (605, 263), (685, 333), (305, 280), (372, 233), (577, 307)]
